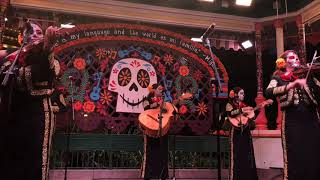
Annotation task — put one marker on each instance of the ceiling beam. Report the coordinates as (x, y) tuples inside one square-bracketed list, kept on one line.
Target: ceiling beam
[(162, 15), (139, 12)]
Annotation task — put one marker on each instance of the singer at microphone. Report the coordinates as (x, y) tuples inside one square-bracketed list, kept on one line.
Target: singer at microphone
[(208, 32)]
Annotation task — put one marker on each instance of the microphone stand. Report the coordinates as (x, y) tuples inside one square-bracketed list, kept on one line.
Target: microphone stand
[(160, 131), (218, 89), (67, 151)]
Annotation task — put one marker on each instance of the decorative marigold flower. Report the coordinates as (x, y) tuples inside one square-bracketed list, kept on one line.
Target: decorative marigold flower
[(231, 94), (168, 59), (281, 63), (77, 106), (79, 63), (202, 108), (183, 109), (88, 107), (198, 75), (105, 97), (183, 70), (101, 53)]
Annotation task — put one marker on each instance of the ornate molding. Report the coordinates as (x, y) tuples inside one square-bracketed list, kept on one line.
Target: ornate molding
[(146, 13), (163, 15)]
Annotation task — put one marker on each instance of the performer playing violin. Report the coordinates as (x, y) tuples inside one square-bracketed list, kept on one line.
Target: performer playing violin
[(28, 105), (242, 161), (299, 100)]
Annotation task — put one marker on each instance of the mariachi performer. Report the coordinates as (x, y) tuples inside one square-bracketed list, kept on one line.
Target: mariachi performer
[(242, 161), (27, 104), (299, 99)]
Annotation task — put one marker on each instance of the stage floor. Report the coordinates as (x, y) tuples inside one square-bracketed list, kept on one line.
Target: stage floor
[(133, 174)]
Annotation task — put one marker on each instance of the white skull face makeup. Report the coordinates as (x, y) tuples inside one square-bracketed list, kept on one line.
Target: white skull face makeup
[(130, 78), (241, 95), (292, 60), (34, 35)]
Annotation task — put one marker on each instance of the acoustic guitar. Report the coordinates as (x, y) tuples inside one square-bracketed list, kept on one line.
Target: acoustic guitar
[(242, 119), (149, 119)]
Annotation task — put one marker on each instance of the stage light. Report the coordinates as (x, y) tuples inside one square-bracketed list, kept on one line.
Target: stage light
[(5, 19), (196, 39), (207, 0), (246, 44), (67, 26), (243, 2), (85, 115)]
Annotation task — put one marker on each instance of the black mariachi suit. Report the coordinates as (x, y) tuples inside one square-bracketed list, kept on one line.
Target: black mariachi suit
[(155, 160), (30, 120), (300, 131), (242, 161)]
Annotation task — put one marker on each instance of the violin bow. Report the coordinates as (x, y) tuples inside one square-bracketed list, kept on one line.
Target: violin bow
[(313, 59)]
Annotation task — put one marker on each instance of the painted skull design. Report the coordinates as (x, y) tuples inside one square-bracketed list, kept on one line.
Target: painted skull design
[(130, 78)]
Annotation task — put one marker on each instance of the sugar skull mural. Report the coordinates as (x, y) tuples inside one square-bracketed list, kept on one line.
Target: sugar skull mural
[(130, 78)]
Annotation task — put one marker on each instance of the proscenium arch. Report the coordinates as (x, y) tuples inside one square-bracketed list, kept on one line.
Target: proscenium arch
[(204, 52)]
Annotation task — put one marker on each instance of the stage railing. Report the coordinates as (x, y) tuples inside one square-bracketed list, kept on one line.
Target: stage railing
[(99, 151)]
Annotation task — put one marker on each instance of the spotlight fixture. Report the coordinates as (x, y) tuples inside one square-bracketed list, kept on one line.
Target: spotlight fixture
[(196, 39), (246, 44), (5, 19), (206, 0), (243, 2), (67, 25)]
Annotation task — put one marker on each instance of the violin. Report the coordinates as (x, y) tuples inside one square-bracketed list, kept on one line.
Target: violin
[(304, 70)]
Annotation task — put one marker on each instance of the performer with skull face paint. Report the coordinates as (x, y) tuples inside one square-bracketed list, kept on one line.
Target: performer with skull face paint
[(242, 161), (29, 111), (299, 100)]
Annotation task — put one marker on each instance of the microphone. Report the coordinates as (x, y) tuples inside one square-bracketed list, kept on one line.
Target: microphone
[(208, 32)]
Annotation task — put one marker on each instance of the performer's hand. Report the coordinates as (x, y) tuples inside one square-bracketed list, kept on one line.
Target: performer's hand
[(297, 83), (3, 53), (247, 109), (50, 36)]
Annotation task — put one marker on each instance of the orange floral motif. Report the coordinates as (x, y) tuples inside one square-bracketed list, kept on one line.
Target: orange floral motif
[(202, 108), (79, 63), (88, 107), (168, 59), (101, 53), (105, 97), (77, 106), (198, 75), (184, 70), (183, 109)]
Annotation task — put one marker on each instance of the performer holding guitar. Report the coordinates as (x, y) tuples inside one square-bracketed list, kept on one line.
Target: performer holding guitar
[(155, 164), (242, 161)]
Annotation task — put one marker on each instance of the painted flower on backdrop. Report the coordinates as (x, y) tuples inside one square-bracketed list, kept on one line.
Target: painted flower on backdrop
[(105, 97), (202, 108), (197, 75), (77, 106), (104, 64), (168, 59), (79, 63), (184, 70), (101, 109), (183, 109), (88, 106), (156, 60), (101, 53)]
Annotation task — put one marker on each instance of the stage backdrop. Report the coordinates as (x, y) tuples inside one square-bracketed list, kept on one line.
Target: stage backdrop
[(108, 67)]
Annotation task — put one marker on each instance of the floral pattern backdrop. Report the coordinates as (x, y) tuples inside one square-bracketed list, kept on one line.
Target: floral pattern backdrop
[(86, 58)]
